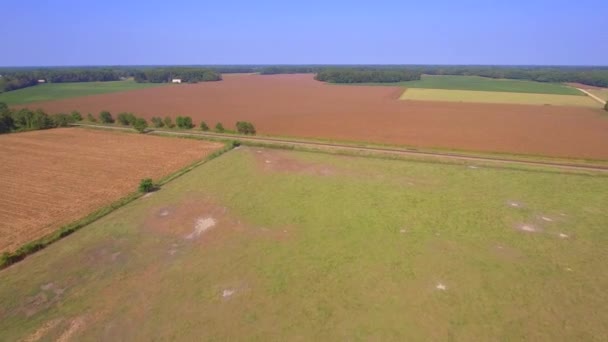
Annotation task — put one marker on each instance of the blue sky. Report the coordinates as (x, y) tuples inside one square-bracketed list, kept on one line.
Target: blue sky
[(112, 32)]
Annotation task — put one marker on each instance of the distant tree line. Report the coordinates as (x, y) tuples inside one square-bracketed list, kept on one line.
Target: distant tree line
[(594, 76), (287, 69), (341, 75), (189, 75)]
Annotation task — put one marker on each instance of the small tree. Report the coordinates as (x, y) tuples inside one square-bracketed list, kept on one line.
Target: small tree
[(219, 128), (126, 119), (76, 116), (157, 122), (140, 125), (184, 122), (61, 120), (91, 118), (122, 119), (168, 122), (244, 127), (146, 185), (106, 117), (204, 126)]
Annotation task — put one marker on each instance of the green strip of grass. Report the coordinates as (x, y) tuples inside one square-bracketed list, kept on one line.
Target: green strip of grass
[(56, 91), (484, 84)]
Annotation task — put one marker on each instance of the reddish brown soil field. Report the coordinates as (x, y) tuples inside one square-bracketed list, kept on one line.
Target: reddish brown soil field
[(53, 177), (297, 105)]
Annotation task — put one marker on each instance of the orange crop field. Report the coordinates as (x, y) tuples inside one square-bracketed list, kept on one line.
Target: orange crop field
[(297, 105), (53, 177)]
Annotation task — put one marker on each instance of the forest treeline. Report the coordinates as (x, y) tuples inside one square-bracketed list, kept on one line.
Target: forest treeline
[(186, 75), (17, 78), (341, 75)]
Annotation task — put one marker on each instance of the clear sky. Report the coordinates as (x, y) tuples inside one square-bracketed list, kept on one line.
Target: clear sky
[(136, 32)]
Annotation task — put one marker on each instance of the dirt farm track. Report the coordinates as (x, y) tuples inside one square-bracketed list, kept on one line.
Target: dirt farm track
[(53, 177), (297, 105)]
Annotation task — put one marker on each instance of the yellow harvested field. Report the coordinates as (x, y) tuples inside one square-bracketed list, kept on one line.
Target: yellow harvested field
[(419, 94), (602, 93)]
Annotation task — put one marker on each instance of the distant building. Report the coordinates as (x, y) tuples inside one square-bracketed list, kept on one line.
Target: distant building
[(41, 81), (176, 80)]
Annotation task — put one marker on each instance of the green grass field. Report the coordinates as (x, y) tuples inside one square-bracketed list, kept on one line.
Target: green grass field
[(56, 91), (310, 246), (419, 94), (485, 84)]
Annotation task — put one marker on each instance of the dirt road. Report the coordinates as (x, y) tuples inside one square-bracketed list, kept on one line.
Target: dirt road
[(378, 150)]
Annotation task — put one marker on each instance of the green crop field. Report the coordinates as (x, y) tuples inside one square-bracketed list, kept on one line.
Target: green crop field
[(264, 244), (56, 91), (420, 94), (485, 84)]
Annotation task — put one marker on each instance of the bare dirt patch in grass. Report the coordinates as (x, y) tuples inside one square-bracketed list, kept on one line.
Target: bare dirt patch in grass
[(528, 228), (279, 161), (43, 330)]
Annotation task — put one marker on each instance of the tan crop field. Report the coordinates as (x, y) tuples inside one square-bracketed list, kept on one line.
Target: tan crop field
[(299, 106), (475, 96), (52, 177)]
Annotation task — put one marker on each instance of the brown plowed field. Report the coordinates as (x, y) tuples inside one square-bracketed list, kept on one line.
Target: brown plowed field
[(53, 177), (297, 105)]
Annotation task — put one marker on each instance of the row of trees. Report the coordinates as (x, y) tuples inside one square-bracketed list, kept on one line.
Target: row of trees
[(595, 76), (341, 75), (182, 122), (17, 78), (26, 119), (189, 75)]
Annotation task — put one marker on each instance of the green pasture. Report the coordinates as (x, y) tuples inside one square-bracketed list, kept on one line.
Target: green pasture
[(311, 246), (485, 84), (57, 91)]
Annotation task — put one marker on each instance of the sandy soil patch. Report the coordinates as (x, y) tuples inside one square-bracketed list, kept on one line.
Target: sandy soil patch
[(271, 160), (76, 325), (528, 228), (43, 330)]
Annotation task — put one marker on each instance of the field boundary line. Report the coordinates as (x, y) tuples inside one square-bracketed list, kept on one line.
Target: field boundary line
[(10, 258), (397, 151), (592, 96)]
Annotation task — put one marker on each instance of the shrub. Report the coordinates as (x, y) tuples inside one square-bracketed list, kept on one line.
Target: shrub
[(61, 120), (236, 143), (106, 117), (91, 118), (184, 122), (606, 106), (140, 125), (6, 120), (168, 122), (126, 119), (219, 128), (244, 127), (157, 122), (76, 116), (146, 185), (204, 126)]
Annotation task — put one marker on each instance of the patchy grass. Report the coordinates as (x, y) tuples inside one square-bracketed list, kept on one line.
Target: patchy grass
[(419, 94), (485, 84), (56, 91), (373, 249)]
